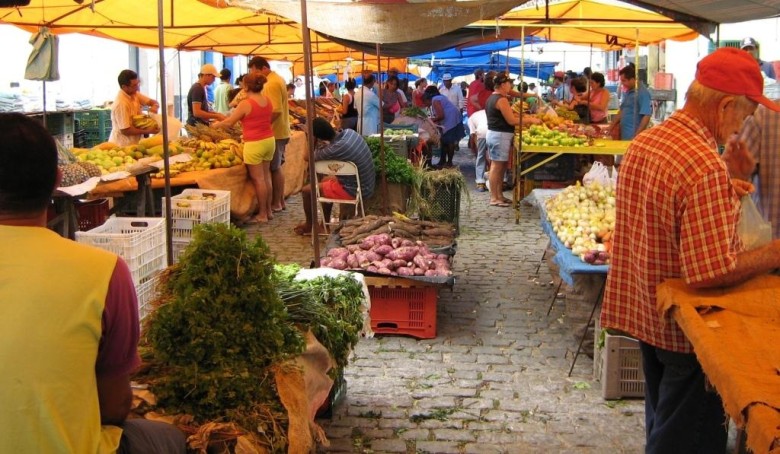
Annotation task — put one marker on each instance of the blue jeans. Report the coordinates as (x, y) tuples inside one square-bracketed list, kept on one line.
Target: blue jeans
[(681, 414), (481, 163)]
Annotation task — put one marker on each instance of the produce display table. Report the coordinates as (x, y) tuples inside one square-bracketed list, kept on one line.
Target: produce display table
[(735, 332), (65, 220), (569, 265), (600, 147), (233, 179)]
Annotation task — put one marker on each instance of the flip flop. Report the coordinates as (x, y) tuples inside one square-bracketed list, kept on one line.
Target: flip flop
[(499, 204), (301, 230), (505, 200)]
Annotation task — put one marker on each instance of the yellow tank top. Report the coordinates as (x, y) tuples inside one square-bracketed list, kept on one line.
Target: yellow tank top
[(52, 293)]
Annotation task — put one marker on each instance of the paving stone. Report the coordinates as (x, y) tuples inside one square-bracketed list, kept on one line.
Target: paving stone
[(498, 360)]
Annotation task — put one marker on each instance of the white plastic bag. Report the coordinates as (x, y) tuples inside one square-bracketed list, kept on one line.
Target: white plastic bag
[(174, 125), (752, 229), (598, 172)]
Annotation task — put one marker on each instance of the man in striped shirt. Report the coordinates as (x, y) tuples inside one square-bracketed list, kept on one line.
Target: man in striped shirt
[(761, 134), (347, 145), (676, 217)]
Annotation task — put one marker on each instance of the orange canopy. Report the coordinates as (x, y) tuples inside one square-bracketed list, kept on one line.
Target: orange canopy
[(605, 24), (188, 25)]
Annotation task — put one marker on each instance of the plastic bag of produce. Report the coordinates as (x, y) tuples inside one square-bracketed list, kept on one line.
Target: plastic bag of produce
[(598, 172), (752, 229)]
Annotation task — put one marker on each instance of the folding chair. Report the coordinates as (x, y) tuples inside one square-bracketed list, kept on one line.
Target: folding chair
[(337, 168)]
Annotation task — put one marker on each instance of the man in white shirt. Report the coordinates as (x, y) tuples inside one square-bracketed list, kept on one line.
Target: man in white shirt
[(478, 127), (454, 94), (129, 102)]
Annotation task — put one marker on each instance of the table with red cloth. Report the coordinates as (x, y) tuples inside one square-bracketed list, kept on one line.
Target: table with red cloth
[(735, 333)]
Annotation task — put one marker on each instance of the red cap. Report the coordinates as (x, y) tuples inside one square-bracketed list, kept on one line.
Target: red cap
[(735, 72)]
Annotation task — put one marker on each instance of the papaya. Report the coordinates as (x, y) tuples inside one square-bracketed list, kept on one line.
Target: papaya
[(107, 146), (153, 141)]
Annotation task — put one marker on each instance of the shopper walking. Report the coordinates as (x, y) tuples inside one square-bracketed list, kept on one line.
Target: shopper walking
[(677, 213), (349, 114), (447, 116), (368, 106)]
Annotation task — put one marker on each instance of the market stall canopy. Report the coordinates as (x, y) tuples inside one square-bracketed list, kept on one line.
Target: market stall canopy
[(384, 21), (718, 11), (355, 67), (466, 66), (474, 49), (188, 25), (606, 24)]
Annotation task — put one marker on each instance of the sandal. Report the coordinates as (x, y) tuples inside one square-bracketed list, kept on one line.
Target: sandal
[(499, 204), (302, 230)]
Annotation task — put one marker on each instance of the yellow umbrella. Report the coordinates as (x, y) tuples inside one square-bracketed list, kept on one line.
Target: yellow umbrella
[(602, 23)]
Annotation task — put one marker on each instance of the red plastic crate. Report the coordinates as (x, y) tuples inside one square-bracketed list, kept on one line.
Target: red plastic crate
[(403, 306), (92, 213), (663, 81)]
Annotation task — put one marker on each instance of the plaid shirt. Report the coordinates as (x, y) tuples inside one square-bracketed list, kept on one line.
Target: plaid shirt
[(761, 133), (676, 216)]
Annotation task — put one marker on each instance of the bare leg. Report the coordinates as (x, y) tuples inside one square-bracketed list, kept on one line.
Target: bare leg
[(261, 190), (496, 178), (277, 181), (266, 170)]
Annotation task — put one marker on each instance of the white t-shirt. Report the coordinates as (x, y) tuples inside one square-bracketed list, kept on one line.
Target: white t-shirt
[(478, 123)]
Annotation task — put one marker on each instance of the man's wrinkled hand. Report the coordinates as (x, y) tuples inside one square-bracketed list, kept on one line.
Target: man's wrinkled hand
[(739, 161), (742, 187)]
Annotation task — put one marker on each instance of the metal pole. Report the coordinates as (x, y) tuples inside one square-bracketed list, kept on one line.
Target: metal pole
[(166, 150), (382, 133), (307, 65)]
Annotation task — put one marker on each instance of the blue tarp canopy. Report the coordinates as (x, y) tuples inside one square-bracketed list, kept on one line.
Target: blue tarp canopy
[(464, 66), (359, 79), (476, 50)]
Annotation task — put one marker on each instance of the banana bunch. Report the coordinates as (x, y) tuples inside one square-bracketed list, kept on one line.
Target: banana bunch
[(144, 122), (222, 154), (175, 169)]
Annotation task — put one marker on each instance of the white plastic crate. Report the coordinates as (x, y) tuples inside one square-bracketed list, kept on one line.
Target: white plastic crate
[(178, 249), (618, 365), (139, 241), (187, 213), (146, 292)]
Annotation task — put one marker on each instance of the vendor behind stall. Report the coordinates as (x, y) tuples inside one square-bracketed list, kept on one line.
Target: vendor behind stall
[(197, 102), (129, 102)]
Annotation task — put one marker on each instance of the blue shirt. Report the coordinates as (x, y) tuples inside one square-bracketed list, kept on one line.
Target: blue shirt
[(452, 115), (350, 146), (629, 118)]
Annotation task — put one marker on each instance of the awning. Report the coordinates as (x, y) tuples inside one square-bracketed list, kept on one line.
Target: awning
[(188, 25), (384, 21), (465, 66), (606, 24)]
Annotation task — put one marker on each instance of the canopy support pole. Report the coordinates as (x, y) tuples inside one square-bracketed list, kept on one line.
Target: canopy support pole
[(382, 159), (166, 149), (307, 65)]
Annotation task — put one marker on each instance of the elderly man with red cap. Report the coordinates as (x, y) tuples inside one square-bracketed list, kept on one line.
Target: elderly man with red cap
[(677, 213)]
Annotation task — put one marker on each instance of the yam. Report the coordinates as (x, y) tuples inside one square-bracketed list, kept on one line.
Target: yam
[(338, 264), (383, 249), (421, 262), (372, 269), (406, 242), (399, 263), (405, 271), (352, 261), (385, 271), (419, 271)]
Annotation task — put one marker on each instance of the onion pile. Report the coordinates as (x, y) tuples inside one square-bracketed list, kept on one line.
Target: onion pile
[(583, 217)]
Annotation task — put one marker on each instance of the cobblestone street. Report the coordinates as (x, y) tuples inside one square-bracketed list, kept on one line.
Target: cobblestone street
[(494, 380)]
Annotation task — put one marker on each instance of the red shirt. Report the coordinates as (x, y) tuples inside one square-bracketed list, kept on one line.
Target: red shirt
[(257, 125), (476, 87), (676, 216)]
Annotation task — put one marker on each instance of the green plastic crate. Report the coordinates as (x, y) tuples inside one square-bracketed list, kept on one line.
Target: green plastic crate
[(98, 119)]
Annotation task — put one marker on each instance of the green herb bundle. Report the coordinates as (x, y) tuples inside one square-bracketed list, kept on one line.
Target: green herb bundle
[(220, 324), (330, 307), (398, 169)]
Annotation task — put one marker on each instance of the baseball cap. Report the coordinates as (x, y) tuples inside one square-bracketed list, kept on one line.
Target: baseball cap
[(446, 76), (735, 72), (748, 42), (208, 68), (502, 78)]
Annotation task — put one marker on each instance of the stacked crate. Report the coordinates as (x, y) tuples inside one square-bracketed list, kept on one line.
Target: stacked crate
[(141, 243), (96, 125), (193, 207)]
